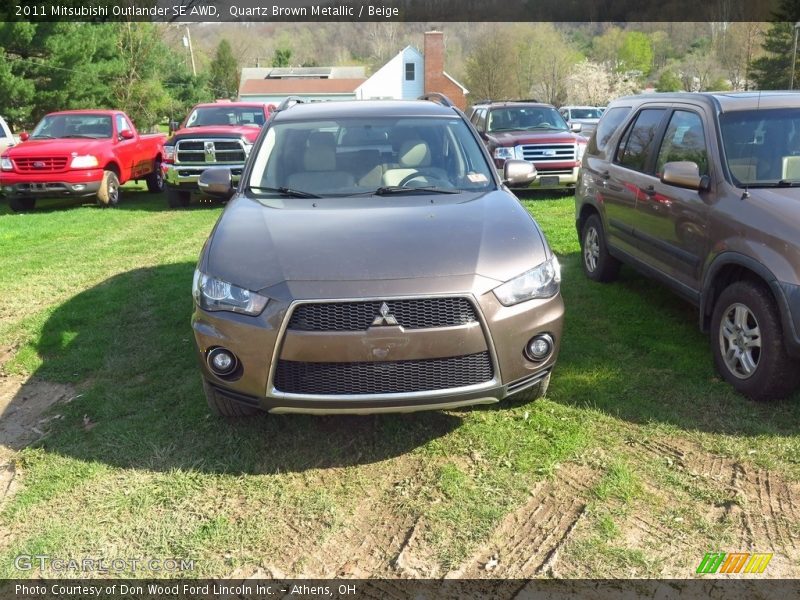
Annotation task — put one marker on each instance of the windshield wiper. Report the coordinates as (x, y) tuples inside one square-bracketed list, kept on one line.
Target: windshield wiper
[(80, 135), (284, 191), (425, 189), (42, 136), (788, 183)]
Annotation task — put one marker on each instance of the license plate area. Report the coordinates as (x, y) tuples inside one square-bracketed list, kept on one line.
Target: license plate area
[(547, 180)]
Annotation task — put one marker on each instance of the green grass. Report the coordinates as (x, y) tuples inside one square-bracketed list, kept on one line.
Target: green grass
[(100, 299)]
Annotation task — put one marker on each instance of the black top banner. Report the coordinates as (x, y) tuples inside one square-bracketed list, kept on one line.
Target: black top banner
[(391, 10)]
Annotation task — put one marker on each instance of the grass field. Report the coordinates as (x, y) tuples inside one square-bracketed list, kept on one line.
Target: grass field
[(638, 461)]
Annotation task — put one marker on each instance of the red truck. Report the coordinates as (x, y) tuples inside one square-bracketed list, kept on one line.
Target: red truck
[(79, 154), (218, 134)]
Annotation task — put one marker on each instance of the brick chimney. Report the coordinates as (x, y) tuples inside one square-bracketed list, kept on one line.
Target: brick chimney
[(435, 79)]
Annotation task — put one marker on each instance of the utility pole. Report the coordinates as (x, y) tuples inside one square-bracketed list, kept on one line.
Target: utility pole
[(794, 55), (187, 41)]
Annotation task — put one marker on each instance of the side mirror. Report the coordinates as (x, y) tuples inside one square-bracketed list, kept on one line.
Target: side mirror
[(216, 182), (518, 172), (126, 134), (575, 127), (24, 136), (174, 126), (685, 174)]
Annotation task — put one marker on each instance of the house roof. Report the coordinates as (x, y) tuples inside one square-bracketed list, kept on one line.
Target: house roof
[(463, 89), (300, 86)]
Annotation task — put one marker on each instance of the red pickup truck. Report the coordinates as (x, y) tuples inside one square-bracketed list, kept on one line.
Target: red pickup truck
[(218, 134), (80, 153)]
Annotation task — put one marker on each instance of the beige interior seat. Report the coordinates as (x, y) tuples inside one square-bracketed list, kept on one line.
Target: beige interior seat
[(414, 157), (319, 174), (790, 167), (743, 169)]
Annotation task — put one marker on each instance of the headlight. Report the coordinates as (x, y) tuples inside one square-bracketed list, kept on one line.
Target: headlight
[(83, 162), (504, 153), (5, 164), (579, 150), (169, 153), (214, 294), (540, 282)]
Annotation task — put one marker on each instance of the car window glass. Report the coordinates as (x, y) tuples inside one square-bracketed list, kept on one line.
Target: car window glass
[(684, 140), (480, 121), (638, 143), (608, 124)]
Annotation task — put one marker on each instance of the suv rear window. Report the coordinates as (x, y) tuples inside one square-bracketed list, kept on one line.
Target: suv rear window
[(636, 147)]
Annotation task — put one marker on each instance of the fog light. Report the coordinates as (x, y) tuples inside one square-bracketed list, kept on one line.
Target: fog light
[(79, 187), (539, 347), (222, 362)]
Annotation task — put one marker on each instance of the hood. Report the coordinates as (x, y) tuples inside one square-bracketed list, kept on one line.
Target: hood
[(250, 132), (257, 245), (585, 121), (78, 146), (780, 205), (514, 138)]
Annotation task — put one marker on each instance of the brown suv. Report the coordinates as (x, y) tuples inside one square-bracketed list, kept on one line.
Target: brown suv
[(700, 191), (372, 260)]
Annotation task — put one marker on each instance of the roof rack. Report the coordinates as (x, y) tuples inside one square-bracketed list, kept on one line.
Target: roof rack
[(437, 97), (490, 101), (288, 102)]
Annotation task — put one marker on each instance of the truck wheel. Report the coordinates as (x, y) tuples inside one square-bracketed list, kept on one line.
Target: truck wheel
[(178, 198), (108, 194), (155, 181), (747, 343), (22, 204), (223, 407), (598, 264), (532, 393)]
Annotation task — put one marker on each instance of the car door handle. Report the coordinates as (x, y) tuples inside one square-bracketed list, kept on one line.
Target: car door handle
[(650, 190), (605, 175)]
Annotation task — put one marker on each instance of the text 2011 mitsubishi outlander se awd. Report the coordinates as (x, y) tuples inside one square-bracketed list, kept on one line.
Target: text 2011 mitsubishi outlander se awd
[(700, 191), (371, 260)]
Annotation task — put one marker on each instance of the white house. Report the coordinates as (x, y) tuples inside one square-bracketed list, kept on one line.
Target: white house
[(402, 78)]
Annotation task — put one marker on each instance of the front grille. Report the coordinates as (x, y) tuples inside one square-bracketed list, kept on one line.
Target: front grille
[(546, 171), (219, 151), (50, 164), (423, 313), (394, 377), (548, 152)]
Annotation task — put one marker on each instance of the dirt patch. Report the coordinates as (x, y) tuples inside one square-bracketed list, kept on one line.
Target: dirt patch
[(22, 406), (528, 541), (760, 511)]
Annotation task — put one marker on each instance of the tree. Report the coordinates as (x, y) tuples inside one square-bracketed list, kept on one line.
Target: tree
[(544, 60), (224, 72), (773, 71), (488, 72), (282, 57), (636, 53), (668, 81)]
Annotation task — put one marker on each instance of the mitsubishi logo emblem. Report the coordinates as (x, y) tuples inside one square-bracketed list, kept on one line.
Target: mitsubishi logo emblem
[(384, 318)]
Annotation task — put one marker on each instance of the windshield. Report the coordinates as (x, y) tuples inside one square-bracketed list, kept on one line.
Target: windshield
[(226, 115), (74, 125), (518, 118), (585, 113), (762, 147), (365, 156)]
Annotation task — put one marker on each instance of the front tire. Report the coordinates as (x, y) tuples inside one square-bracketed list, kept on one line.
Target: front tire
[(155, 181), (748, 345), (598, 264), (22, 204), (530, 394), (220, 406), (108, 194), (178, 198)]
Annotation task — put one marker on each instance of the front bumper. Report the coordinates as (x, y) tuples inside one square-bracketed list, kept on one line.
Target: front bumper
[(261, 342), (560, 179), (72, 183), (185, 177)]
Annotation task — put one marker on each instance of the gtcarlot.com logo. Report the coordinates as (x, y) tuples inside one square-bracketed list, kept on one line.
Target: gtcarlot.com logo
[(43, 562), (733, 562)]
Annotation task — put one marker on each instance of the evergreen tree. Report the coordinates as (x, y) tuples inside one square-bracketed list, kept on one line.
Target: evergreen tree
[(773, 71), (224, 72)]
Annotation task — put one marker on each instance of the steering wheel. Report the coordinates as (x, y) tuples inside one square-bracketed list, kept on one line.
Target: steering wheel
[(411, 177)]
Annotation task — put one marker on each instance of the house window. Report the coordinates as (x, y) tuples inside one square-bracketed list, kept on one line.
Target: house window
[(410, 71)]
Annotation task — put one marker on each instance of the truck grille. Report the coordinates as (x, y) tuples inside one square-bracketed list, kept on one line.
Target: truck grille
[(210, 151), (548, 152), (421, 313), (393, 377), (41, 165)]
